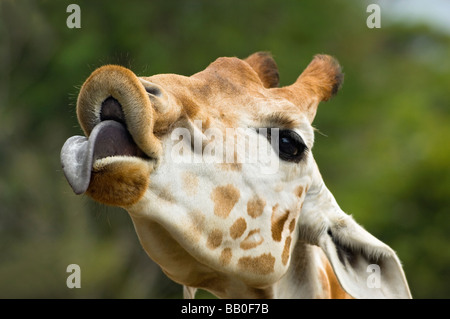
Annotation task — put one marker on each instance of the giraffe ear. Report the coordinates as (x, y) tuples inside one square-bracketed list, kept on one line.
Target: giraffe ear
[(364, 266), (320, 81), (265, 67)]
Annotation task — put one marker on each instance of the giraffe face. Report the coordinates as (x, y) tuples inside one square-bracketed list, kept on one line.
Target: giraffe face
[(212, 168), (239, 217)]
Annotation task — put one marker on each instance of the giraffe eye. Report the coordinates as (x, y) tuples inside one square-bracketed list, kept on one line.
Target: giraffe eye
[(288, 144), (291, 146)]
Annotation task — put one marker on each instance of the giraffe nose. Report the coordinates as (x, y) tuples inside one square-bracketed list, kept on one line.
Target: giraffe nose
[(112, 110), (115, 93)]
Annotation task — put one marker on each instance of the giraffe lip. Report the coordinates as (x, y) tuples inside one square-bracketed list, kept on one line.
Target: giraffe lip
[(79, 153), (113, 139)]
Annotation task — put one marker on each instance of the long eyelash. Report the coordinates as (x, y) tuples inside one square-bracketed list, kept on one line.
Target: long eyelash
[(268, 135)]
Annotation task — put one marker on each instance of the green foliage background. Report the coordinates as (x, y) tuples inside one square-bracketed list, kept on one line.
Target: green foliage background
[(382, 146)]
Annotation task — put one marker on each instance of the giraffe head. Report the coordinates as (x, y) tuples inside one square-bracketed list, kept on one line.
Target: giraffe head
[(217, 174)]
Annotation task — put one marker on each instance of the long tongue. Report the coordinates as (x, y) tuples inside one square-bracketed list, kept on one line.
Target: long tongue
[(109, 138)]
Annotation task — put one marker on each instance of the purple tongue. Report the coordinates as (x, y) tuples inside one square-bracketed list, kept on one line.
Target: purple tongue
[(109, 138)]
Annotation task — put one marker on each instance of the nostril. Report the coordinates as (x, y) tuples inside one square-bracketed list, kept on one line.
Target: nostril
[(112, 110), (153, 90)]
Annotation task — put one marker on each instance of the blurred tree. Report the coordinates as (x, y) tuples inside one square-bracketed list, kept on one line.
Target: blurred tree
[(381, 143)]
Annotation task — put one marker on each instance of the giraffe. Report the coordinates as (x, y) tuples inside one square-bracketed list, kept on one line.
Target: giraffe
[(234, 228)]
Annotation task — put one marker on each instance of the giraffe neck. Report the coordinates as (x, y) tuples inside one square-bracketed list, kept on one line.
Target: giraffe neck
[(302, 279), (310, 276), (306, 278)]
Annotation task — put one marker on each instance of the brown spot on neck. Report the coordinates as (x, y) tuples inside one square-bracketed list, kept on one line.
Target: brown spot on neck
[(225, 256), (278, 222), (252, 240), (238, 228), (214, 239), (255, 206), (261, 265), (224, 198), (286, 251), (299, 191)]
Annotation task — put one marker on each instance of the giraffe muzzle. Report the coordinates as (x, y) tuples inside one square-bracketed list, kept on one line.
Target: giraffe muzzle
[(133, 108), (117, 117), (109, 138)]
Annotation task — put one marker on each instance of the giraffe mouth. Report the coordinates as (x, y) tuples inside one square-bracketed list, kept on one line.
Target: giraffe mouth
[(113, 137), (80, 155)]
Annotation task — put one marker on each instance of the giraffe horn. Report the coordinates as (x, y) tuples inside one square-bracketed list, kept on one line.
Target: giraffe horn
[(320, 81)]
